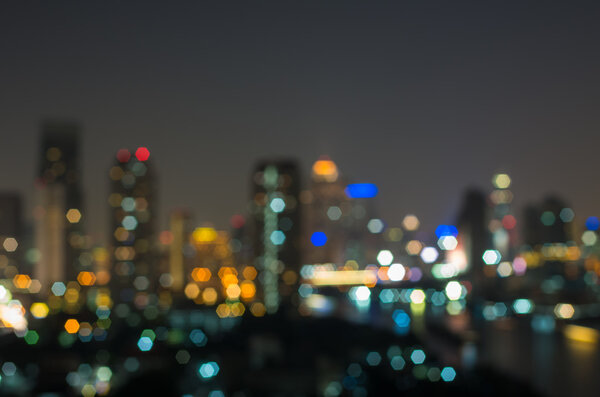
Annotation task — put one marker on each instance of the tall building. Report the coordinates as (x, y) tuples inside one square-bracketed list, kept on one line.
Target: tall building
[(276, 229), (133, 215), (179, 264), (474, 237), (11, 233), (58, 212), (323, 212)]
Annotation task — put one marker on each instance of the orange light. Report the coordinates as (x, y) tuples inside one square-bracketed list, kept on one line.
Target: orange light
[(248, 290), (22, 281), (86, 278), (325, 169), (72, 326), (201, 274)]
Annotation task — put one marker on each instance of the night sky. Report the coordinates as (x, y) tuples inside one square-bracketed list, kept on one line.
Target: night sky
[(423, 98)]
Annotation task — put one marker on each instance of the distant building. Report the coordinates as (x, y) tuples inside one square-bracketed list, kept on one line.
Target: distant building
[(11, 232), (58, 212), (544, 223), (276, 229), (179, 264), (133, 216)]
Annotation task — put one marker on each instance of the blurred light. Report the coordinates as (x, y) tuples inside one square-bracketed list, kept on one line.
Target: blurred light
[(72, 326), (373, 359), (548, 218), (429, 254), (385, 257), (417, 356), (592, 223), (501, 181), (58, 288), (446, 230), (73, 215), (123, 155), (142, 153), (39, 310), (448, 374), (589, 238), (277, 205), (208, 370), (401, 318), (375, 226), (410, 222), (344, 277), (453, 290), (204, 235), (396, 272), (566, 215), (361, 190), (362, 293), (10, 244), (277, 237), (491, 257), (519, 265), (522, 306), (417, 296), (334, 213), (564, 310), (325, 170), (504, 269), (318, 239), (581, 334), (447, 243), (145, 343)]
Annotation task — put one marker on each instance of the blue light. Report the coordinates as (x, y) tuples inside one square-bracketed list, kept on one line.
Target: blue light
[(277, 237), (208, 370), (318, 239), (145, 343), (446, 230), (401, 319), (448, 374), (592, 223), (361, 190)]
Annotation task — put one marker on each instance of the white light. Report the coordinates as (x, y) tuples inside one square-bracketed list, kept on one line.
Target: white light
[(396, 272), (277, 204), (362, 293), (491, 257), (385, 257), (429, 254), (453, 290), (375, 226), (447, 243)]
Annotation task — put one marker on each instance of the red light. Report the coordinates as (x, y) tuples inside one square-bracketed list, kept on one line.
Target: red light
[(509, 222), (237, 221), (123, 155), (142, 153)]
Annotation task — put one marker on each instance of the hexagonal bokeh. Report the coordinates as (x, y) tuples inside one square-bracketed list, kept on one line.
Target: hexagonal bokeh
[(491, 257)]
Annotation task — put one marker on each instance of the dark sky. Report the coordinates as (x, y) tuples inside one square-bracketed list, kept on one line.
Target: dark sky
[(423, 98)]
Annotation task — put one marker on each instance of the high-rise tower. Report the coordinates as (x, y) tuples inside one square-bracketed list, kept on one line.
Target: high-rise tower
[(133, 214)]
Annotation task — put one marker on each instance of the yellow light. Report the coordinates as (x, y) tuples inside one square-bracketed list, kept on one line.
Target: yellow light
[(73, 215), (39, 310), (344, 277), (233, 291), (191, 291), (204, 235), (501, 181), (72, 326), (581, 334), (209, 296), (564, 310), (325, 170), (223, 310), (411, 222)]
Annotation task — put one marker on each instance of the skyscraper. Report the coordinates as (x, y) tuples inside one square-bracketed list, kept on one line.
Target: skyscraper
[(11, 233), (133, 203), (276, 229), (58, 213)]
